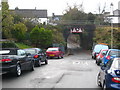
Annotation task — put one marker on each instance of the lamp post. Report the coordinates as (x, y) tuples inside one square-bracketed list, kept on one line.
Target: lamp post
[(111, 6)]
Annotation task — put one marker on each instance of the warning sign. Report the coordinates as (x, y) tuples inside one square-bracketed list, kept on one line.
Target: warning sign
[(76, 30)]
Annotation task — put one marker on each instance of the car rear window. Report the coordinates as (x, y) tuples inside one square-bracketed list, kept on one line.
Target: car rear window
[(97, 48), (31, 51), (8, 52), (52, 49)]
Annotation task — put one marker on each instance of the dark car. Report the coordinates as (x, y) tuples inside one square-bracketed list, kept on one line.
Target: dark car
[(15, 61), (97, 48), (109, 75), (38, 54), (111, 53)]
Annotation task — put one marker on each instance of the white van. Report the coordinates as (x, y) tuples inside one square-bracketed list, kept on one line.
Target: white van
[(97, 49)]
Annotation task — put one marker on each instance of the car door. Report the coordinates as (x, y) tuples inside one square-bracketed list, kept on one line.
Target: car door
[(104, 70), (21, 59), (25, 61)]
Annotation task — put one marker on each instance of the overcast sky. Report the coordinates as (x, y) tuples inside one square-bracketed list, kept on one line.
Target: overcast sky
[(58, 6)]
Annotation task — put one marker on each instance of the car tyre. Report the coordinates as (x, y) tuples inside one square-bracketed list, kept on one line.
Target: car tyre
[(39, 63), (98, 80), (98, 62), (32, 66), (104, 86), (46, 61), (59, 57), (18, 70)]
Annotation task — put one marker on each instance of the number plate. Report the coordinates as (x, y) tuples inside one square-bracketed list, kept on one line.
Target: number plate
[(52, 55)]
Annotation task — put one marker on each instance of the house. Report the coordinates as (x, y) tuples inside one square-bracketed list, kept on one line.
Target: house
[(113, 16), (54, 19), (40, 15)]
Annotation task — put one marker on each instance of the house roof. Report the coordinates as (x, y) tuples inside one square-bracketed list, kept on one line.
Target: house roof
[(31, 13)]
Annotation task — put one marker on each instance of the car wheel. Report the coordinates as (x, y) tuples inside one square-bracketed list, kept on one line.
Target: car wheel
[(62, 56), (59, 57), (32, 66), (92, 57), (18, 70), (97, 62), (39, 63), (104, 86), (46, 61), (98, 80)]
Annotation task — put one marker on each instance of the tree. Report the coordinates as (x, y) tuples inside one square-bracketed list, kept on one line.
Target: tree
[(91, 17), (17, 19), (19, 31), (103, 35), (74, 13), (34, 35), (7, 21), (46, 37), (41, 37)]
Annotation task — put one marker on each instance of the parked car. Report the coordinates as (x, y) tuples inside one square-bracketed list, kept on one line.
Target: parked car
[(38, 55), (15, 60), (54, 52), (100, 56), (111, 53), (97, 48), (109, 75)]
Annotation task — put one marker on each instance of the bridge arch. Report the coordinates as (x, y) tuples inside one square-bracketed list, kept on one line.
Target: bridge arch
[(85, 37)]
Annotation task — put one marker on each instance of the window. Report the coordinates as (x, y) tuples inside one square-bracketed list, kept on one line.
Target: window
[(21, 53), (109, 63), (114, 53), (31, 51)]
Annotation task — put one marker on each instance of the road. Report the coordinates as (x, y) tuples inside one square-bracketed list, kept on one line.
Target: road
[(77, 70)]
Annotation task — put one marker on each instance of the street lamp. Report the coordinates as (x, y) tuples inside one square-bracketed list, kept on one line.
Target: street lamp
[(111, 6)]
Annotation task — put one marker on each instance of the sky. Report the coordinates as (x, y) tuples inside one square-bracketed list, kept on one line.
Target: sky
[(58, 6)]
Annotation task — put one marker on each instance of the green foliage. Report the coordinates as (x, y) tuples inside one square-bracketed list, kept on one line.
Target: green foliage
[(23, 46), (19, 31), (74, 14), (91, 17), (58, 37), (8, 44), (7, 21), (41, 37), (17, 18), (103, 35)]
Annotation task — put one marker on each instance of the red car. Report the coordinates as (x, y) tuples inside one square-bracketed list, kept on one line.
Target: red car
[(54, 52), (100, 56)]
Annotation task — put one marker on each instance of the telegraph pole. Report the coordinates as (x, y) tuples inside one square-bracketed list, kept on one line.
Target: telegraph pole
[(111, 6)]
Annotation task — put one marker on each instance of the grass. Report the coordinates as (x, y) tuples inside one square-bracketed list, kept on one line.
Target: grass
[(23, 46)]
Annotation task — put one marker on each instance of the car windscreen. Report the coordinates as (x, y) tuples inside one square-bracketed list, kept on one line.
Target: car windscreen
[(52, 49), (31, 51), (97, 48), (104, 51), (8, 52), (115, 53)]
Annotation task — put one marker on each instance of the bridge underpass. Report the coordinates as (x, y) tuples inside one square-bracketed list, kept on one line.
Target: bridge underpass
[(82, 40)]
